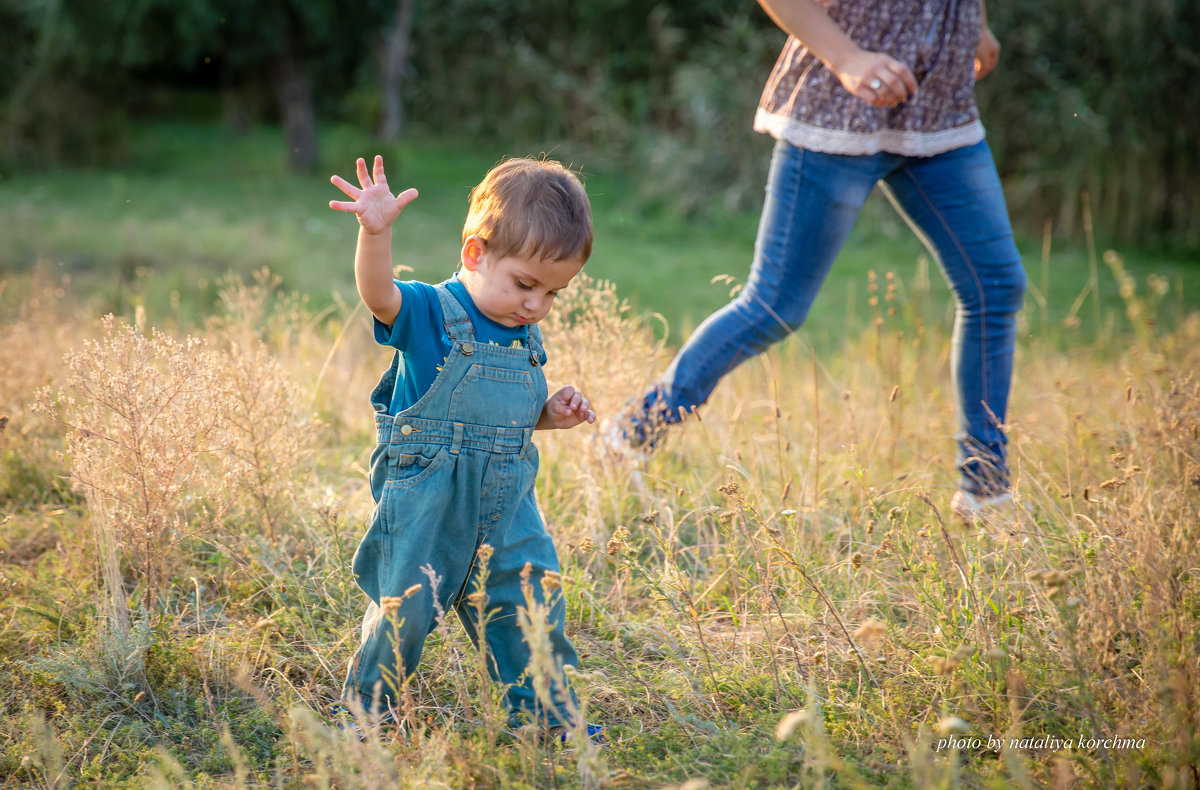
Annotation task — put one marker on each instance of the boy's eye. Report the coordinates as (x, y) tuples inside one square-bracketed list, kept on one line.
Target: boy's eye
[(524, 286)]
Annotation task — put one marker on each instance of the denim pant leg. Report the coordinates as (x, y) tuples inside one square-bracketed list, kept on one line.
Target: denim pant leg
[(413, 527), (525, 540), (812, 201), (956, 201)]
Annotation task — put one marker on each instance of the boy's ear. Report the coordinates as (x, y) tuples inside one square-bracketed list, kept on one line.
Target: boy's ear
[(473, 250)]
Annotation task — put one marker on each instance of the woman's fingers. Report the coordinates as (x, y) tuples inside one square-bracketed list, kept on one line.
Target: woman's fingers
[(893, 83)]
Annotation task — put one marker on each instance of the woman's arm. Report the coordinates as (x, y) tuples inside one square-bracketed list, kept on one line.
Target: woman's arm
[(874, 77), (988, 54)]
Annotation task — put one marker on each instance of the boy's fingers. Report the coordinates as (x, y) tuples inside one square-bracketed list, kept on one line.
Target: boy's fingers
[(346, 186), (380, 177), (406, 197), (364, 178), (342, 205)]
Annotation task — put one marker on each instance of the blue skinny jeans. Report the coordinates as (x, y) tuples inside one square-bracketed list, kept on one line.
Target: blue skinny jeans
[(954, 201)]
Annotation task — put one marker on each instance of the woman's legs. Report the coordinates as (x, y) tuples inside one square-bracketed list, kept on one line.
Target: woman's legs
[(955, 201), (812, 201)]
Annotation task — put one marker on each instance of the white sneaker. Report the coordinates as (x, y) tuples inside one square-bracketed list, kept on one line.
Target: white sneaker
[(993, 511), (618, 454), (615, 443)]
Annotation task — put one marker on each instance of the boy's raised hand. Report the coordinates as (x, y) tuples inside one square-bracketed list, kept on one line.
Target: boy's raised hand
[(566, 409), (374, 204)]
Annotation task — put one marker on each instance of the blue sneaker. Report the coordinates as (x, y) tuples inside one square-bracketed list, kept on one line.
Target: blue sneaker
[(595, 734)]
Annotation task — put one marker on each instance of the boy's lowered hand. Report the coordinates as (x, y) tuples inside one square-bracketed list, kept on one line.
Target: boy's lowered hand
[(565, 409), (374, 204)]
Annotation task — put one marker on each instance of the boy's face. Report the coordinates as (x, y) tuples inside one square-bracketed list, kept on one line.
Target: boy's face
[(514, 290)]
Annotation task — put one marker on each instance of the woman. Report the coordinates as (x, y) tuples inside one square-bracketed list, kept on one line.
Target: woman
[(865, 93)]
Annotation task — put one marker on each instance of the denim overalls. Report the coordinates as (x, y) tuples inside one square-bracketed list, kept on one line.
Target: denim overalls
[(451, 472)]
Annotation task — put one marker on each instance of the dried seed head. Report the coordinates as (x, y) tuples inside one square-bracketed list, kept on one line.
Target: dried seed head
[(1017, 686), (551, 582), (944, 665), (789, 723), (621, 534), (485, 552), (856, 559), (477, 599), (1054, 581), (587, 545), (870, 631), (391, 604), (895, 514)]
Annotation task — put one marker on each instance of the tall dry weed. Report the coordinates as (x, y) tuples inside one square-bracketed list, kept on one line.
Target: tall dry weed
[(595, 342), (35, 329), (174, 439), (1135, 628), (142, 415), (267, 438)]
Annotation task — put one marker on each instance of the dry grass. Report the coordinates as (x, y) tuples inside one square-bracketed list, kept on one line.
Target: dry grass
[(778, 598)]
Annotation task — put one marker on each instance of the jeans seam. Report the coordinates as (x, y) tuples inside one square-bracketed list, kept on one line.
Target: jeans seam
[(970, 265)]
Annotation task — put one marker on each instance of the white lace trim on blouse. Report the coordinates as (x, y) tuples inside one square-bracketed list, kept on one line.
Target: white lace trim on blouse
[(894, 141)]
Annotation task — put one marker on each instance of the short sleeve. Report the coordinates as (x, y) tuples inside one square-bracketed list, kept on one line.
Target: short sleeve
[(413, 321)]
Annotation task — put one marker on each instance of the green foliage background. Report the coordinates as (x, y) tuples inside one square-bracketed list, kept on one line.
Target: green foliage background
[(1090, 97)]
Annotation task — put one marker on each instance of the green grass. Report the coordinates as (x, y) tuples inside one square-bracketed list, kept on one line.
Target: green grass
[(790, 553), (193, 202)]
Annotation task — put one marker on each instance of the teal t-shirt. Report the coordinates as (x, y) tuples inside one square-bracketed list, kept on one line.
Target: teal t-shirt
[(419, 334)]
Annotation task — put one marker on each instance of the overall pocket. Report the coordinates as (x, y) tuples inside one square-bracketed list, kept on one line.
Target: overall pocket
[(496, 396), (410, 466), (418, 487)]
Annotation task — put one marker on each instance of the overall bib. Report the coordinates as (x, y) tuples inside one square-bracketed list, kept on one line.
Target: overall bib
[(450, 473)]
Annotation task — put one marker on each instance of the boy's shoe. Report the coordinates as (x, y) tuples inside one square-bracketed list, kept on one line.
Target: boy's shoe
[(993, 511), (595, 734), (556, 735)]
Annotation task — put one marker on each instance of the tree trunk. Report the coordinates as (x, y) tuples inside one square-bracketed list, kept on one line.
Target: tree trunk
[(392, 61), (296, 103)]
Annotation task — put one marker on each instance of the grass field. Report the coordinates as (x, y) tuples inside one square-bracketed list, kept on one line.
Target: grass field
[(194, 202), (778, 599)]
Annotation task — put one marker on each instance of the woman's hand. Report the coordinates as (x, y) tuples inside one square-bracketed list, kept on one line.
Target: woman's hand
[(374, 204), (565, 409), (987, 55), (878, 79)]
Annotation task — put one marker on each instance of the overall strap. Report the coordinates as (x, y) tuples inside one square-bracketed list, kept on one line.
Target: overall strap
[(458, 323), (535, 344)]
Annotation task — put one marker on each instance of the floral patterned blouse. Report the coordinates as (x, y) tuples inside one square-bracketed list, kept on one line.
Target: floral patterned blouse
[(806, 105)]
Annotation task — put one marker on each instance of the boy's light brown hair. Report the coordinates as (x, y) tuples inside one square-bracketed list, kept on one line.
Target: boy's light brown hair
[(533, 208)]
